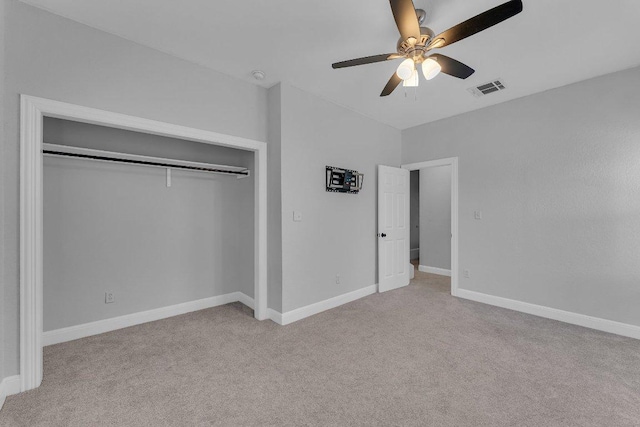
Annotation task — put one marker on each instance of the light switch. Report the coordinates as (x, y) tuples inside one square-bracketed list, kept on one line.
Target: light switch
[(477, 214), (297, 216)]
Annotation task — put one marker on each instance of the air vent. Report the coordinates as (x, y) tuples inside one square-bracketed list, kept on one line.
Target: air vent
[(487, 88)]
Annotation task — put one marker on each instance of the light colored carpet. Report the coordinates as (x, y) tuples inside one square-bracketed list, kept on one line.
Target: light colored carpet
[(411, 357)]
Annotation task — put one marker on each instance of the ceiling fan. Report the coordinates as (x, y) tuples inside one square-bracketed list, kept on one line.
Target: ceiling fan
[(416, 42)]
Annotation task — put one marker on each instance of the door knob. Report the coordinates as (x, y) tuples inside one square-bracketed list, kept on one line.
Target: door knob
[(383, 235)]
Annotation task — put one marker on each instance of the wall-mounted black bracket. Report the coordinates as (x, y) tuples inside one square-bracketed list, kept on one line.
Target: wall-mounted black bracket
[(340, 180)]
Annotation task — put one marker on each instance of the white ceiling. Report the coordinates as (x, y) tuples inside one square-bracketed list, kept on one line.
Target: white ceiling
[(550, 44)]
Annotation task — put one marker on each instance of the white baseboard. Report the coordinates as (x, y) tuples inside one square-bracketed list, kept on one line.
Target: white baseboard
[(276, 316), (8, 387), (604, 325), (434, 270), (245, 299), (101, 326), (318, 307)]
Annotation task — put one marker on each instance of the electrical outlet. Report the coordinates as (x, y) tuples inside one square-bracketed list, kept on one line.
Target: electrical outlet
[(477, 214), (337, 279), (297, 216), (466, 274), (109, 297)]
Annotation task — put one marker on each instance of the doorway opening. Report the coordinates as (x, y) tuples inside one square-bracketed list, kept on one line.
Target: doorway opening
[(434, 218), (414, 218)]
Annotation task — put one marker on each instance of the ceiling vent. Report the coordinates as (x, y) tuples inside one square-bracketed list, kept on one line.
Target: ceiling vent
[(487, 88)]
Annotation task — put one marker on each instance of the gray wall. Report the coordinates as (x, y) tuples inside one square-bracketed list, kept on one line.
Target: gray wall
[(435, 217), (2, 156), (274, 195), (414, 214), (338, 232), (56, 58), (118, 228), (557, 177)]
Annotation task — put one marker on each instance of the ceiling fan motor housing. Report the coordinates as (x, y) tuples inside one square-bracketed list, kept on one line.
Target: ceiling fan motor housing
[(416, 49)]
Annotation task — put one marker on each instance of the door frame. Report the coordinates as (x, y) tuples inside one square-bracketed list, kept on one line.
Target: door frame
[(32, 112), (453, 162)]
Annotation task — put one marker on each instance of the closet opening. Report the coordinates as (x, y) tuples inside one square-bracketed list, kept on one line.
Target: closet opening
[(138, 225), (125, 220)]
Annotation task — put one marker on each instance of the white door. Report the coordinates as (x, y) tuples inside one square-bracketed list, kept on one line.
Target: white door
[(393, 228)]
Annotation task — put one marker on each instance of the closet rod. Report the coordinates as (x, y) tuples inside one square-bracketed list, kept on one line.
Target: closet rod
[(144, 162)]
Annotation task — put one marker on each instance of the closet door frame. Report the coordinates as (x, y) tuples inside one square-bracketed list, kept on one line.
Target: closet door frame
[(33, 110)]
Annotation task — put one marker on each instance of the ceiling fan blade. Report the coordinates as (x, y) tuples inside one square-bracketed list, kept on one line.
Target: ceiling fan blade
[(392, 84), (452, 67), (366, 60), (476, 24), (406, 19)]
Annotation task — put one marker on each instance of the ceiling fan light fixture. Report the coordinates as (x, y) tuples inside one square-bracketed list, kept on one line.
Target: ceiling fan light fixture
[(412, 81), (430, 68), (406, 68)]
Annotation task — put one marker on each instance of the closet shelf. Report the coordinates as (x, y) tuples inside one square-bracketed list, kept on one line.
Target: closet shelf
[(55, 150)]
